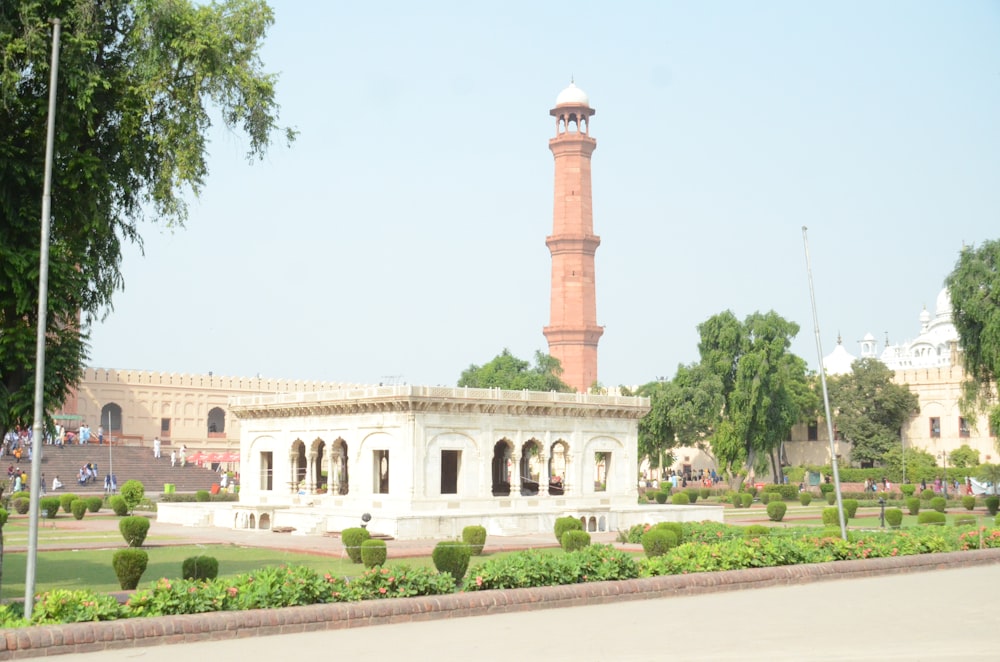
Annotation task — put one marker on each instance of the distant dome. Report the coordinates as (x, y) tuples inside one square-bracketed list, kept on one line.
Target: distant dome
[(839, 361), (943, 305), (573, 96), (868, 337)]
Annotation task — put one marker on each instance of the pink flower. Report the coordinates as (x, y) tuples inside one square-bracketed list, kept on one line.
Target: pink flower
[(232, 590), (382, 590), (392, 579), (479, 581)]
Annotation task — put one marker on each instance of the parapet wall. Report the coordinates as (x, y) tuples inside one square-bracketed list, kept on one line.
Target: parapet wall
[(201, 381)]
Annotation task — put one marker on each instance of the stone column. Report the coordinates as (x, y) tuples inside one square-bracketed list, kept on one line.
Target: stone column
[(292, 469), (543, 474), (330, 469), (336, 470), (311, 473), (515, 473)]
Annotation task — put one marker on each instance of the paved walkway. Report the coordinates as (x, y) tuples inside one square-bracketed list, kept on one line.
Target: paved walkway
[(877, 618)]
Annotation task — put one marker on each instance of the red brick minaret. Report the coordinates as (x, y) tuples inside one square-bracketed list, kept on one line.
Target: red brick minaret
[(573, 331)]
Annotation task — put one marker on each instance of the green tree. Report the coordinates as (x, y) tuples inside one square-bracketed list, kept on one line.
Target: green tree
[(764, 388), (508, 372), (869, 409), (964, 457), (139, 84), (974, 287)]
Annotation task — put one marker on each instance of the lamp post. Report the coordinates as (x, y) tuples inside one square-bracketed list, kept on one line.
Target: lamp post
[(944, 465)]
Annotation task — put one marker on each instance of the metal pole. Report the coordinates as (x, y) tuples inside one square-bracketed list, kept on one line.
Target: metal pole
[(826, 395), (43, 304), (111, 464)]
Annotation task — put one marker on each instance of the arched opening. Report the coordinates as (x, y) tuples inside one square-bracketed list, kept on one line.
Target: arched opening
[(502, 452), (602, 523), (558, 461), (216, 422), (265, 522), (253, 521), (320, 469), (111, 420), (592, 524), (530, 466), (297, 460)]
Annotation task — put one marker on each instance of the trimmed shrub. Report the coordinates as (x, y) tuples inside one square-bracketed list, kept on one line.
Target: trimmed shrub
[(564, 524), (132, 491), (939, 504), (49, 506), (765, 497), (747, 499), (965, 520), (927, 494), (750, 489), (66, 502), (94, 504), (831, 498), (996, 520), (992, 504), (574, 540), (352, 539), (118, 505), (650, 495), (805, 498), (704, 493), (850, 508), (680, 499), (452, 556), (202, 496), (786, 492), (657, 542), (756, 530), (831, 517), (826, 488), (129, 564), (200, 567), (475, 537), (969, 502), (776, 510), (692, 494), (737, 500), (676, 527), (134, 530), (907, 489), (931, 517), (373, 553), (21, 504), (78, 508), (894, 517), (661, 497), (913, 505)]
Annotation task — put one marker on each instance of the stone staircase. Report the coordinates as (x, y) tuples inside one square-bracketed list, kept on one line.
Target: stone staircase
[(126, 462)]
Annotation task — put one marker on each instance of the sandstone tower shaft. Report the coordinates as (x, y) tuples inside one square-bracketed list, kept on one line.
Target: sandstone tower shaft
[(573, 331)]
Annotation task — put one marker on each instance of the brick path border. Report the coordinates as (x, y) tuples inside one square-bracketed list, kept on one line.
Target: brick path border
[(48, 640)]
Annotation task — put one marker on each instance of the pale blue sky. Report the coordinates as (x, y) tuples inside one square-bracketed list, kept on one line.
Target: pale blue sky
[(403, 234)]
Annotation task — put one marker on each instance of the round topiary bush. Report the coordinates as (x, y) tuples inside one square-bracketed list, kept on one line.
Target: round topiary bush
[(765, 497), (913, 505), (831, 517), (94, 504), (132, 491), (756, 531), (78, 508), (118, 505), (927, 494), (969, 502), (661, 497), (574, 540), (826, 488), (992, 504), (22, 505), (202, 496), (737, 500), (907, 489), (352, 539), (939, 504), (680, 499), (747, 499), (805, 498), (831, 498), (66, 501), (657, 542), (564, 524), (931, 517), (200, 567), (49, 506), (850, 508), (129, 564), (134, 530), (692, 494), (475, 537), (776, 510), (373, 553), (704, 493), (894, 517), (751, 490), (676, 527), (452, 556)]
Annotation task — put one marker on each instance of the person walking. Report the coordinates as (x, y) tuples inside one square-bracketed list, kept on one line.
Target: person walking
[(156, 448), (173, 458)]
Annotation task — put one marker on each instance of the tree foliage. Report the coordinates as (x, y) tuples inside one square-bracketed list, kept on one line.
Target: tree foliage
[(508, 372), (764, 389), (869, 409), (139, 81), (964, 457), (974, 287)]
